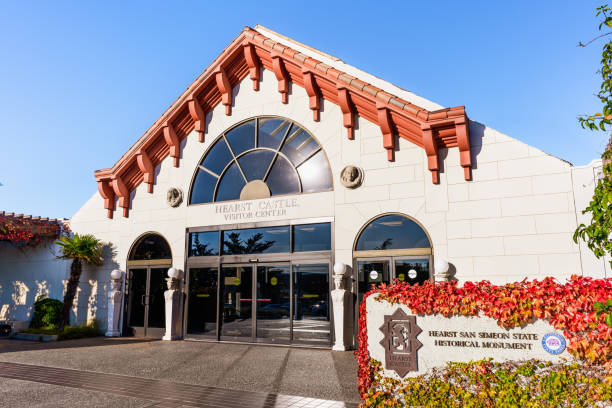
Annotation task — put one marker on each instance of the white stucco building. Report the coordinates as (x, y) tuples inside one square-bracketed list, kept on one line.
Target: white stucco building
[(259, 146)]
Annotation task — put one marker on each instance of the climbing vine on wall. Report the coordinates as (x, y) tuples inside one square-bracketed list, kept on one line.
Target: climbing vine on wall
[(567, 307), (24, 231)]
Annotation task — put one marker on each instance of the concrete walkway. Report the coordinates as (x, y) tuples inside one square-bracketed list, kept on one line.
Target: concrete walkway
[(320, 374)]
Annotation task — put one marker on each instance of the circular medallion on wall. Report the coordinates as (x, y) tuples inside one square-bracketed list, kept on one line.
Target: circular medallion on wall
[(351, 176), (174, 198)]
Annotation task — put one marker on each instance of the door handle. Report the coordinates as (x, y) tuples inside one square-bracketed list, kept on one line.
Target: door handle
[(142, 300)]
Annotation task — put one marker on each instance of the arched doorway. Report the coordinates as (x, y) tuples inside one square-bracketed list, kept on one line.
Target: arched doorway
[(388, 247), (148, 263)]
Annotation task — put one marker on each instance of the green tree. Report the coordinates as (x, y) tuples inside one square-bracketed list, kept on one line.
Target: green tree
[(252, 245), (597, 233), (80, 248)]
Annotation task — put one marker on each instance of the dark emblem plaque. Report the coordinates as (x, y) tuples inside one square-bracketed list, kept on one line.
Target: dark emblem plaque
[(400, 342)]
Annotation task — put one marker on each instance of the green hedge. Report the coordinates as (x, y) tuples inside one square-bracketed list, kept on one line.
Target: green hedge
[(46, 313), (70, 332), (484, 383)]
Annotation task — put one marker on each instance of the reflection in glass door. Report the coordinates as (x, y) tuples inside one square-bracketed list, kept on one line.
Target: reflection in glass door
[(413, 271), (156, 322), (311, 308), (146, 307), (137, 299), (237, 302), (273, 304), (202, 307), (372, 272)]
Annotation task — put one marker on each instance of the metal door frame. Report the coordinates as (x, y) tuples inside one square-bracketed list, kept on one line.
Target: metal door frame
[(253, 266), (391, 260), (145, 330)]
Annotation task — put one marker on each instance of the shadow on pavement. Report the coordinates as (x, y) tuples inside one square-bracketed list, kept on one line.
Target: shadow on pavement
[(8, 345)]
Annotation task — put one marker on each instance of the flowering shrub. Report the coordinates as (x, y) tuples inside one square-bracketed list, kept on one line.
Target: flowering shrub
[(567, 307), (26, 231)]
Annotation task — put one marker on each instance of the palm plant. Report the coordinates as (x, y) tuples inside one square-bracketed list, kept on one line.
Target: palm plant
[(79, 248)]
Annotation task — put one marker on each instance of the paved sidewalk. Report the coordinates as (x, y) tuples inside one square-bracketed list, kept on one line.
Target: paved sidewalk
[(161, 393), (272, 371)]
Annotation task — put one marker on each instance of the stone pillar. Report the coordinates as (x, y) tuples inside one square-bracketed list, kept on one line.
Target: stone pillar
[(172, 297), (442, 270), (115, 295), (339, 296)]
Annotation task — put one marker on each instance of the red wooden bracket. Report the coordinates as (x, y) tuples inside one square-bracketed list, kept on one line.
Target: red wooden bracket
[(278, 66), (173, 143), (253, 63), (106, 191), (463, 141), (225, 88), (312, 89), (384, 121), (198, 116), (348, 110), (146, 166), (431, 149), (123, 193)]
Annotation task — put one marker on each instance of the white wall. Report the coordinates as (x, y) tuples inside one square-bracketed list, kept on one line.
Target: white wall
[(29, 272), (514, 220)]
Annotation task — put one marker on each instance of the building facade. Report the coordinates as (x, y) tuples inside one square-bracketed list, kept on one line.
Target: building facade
[(280, 161)]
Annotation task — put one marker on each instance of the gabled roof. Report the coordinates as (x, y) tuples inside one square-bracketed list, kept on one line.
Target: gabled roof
[(290, 61)]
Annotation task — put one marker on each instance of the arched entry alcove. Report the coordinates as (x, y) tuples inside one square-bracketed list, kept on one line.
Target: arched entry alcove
[(391, 246), (148, 262)]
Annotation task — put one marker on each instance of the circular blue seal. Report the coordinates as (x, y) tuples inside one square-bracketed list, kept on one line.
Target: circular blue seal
[(553, 343)]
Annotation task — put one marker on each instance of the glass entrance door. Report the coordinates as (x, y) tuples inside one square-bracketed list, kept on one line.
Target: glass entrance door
[(237, 302), (414, 270), (372, 272), (256, 303), (146, 307), (273, 301)]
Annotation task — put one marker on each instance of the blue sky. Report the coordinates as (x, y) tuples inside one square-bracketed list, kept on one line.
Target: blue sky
[(81, 81)]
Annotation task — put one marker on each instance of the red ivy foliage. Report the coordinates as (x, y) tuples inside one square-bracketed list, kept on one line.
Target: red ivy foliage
[(25, 231), (567, 307)]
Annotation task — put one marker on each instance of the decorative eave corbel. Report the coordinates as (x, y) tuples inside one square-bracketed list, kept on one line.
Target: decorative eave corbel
[(462, 131), (198, 116), (314, 94), (173, 142), (278, 66), (384, 121), (146, 166), (225, 88), (431, 149), (106, 191), (122, 192), (347, 107), (253, 63)]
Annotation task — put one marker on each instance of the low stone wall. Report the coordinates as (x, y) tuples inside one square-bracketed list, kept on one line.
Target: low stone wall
[(410, 345)]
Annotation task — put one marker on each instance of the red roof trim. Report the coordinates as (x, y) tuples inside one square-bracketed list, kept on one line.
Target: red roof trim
[(427, 129)]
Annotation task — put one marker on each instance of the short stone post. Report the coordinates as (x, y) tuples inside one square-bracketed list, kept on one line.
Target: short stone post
[(442, 270), (339, 300), (172, 297), (115, 295)]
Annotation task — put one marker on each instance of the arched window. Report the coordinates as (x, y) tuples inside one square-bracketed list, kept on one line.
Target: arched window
[(149, 247), (389, 247), (392, 232), (259, 158)]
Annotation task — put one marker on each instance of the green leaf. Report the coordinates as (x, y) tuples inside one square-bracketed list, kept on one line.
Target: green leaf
[(609, 319)]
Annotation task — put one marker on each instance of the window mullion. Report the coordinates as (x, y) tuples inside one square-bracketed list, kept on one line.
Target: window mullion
[(236, 160), (280, 146)]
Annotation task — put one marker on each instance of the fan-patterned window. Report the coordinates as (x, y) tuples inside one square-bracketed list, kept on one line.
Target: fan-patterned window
[(259, 158)]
